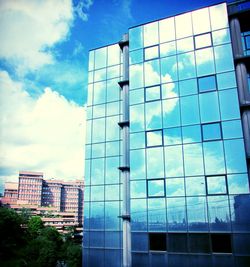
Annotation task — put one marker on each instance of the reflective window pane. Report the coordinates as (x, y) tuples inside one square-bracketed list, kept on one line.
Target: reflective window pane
[(175, 187), (153, 115), (113, 90), (112, 192), (112, 128), (235, 156), (138, 214), (101, 58), (176, 214), (226, 80), (97, 193), (221, 36), (205, 61), (193, 159), (229, 104), (113, 72), (97, 171), (172, 136), (223, 58), (168, 49), (98, 130), (186, 66), (99, 92), (99, 111), (173, 161), (238, 183), (198, 16), (218, 15), (188, 87), (136, 56), (113, 55), (209, 101), (112, 108), (91, 60), (232, 129), (171, 113), (197, 213), (136, 96), (203, 40), (155, 163), (170, 90), (153, 93), (190, 110), (218, 211), (211, 131), (138, 189), (207, 83), (214, 157), (152, 72), (112, 172), (151, 34), (154, 138), (136, 76), (216, 185), (157, 214), (97, 215), (151, 52), (169, 34), (168, 69), (98, 150), (112, 211), (191, 134), (112, 149), (136, 38), (183, 25), (185, 45), (100, 75), (137, 164), (137, 140), (156, 188), (137, 118), (195, 186)]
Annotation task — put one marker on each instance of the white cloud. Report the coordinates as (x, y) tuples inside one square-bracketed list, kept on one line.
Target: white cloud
[(44, 134), (29, 29), (82, 8)]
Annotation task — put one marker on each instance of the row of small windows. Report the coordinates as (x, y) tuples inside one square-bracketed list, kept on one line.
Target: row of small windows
[(205, 84), (180, 46), (209, 132), (215, 185), (179, 27), (192, 242)]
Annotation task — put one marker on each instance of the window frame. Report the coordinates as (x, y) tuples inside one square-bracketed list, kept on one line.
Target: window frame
[(208, 140), (197, 35), (148, 47), (206, 91), (145, 93), (216, 194), (146, 138), (164, 188)]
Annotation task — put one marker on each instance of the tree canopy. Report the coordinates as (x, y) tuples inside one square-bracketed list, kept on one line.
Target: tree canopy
[(25, 241)]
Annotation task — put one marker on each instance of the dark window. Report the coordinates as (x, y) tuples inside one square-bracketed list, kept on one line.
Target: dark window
[(177, 242), (207, 83), (199, 243), (157, 241), (221, 243), (211, 131), (246, 42)]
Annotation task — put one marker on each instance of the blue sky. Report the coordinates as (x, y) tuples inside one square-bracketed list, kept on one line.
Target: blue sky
[(43, 75)]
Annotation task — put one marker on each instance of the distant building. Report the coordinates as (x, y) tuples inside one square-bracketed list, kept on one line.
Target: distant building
[(168, 143), (59, 203)]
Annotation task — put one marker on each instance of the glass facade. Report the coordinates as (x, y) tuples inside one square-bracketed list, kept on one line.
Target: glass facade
[(189, 178)]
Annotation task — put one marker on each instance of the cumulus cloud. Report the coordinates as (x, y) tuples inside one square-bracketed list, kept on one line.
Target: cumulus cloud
[(29, 29), (82, 9), (43, 134)]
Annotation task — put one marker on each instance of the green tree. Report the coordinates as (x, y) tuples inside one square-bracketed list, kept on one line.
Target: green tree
[(35, 226)]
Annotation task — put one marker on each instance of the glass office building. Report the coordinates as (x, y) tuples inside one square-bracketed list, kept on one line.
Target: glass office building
[(168, 144)]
